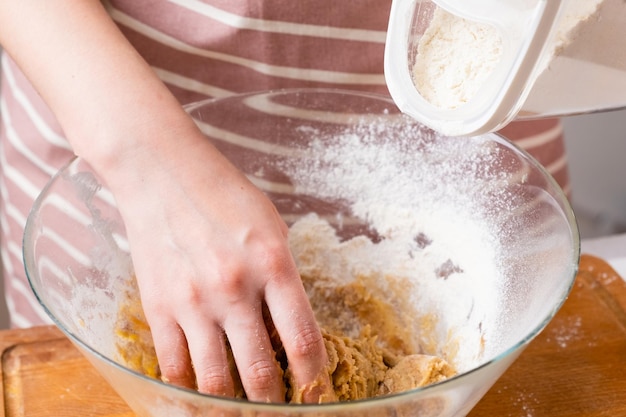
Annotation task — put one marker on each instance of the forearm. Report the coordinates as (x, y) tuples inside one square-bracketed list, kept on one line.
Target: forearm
[(109, 102)]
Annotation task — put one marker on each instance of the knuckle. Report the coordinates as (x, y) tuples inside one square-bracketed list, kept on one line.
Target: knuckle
[(215, 380), (269, 261), (231, 281), (276, 261), (307, 343), (261, 376)]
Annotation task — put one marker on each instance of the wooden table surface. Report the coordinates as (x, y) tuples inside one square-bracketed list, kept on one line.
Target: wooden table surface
[(573, 368)]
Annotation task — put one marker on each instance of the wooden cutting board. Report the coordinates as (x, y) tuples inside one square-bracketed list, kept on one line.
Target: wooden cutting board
[(573, 368), (44, 375)]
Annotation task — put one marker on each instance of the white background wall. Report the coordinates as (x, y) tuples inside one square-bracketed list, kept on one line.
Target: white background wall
[(596, 147)]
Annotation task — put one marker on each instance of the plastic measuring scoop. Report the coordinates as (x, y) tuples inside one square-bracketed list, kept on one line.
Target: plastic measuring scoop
[(525, 28)]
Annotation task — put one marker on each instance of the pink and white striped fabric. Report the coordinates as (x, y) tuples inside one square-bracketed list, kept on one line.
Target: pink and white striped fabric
[(202, 49)]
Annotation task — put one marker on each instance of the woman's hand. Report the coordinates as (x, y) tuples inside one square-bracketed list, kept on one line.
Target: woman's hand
[(209, 251)]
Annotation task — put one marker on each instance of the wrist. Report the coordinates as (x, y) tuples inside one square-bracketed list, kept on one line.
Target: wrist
[(125, 153)]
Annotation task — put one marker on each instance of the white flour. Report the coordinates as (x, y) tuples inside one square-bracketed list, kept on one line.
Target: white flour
[(576, 14), (426, 207), (456, 56)]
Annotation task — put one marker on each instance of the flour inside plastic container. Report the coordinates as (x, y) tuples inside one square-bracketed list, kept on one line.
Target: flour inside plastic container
[(423, 197)]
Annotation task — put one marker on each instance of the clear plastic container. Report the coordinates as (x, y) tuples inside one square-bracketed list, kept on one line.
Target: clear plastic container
[(467, 67)]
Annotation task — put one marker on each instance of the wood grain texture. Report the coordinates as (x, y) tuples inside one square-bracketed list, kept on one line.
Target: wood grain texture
[(573, 368), (43, 374)]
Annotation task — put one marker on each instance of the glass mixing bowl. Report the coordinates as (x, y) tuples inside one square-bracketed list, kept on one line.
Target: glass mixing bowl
[(483, 238)]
